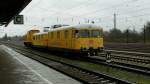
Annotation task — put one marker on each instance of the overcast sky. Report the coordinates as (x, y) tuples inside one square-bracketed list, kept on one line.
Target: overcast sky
[(39, 13)]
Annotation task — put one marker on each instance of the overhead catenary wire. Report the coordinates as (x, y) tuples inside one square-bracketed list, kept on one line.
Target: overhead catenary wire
[(120, 15), (108, 16), (33, 6), (98, 10), (84, 13), (129, 12), (80, 16)]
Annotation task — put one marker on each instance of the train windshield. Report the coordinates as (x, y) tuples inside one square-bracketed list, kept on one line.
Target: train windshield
[(87, 34), (84, 34), (95, 33)]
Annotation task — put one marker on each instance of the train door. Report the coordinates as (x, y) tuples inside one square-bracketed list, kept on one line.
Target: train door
[(48, 39), (73, 38), (70, 39), (66, 37)]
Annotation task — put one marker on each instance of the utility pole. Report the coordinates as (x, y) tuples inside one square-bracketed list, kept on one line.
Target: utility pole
[(88, 21), (127, 36), (72, 19), (114, 20), (144, 34), (57, 19)]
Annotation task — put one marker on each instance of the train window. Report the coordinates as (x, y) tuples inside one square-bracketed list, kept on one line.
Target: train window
[(84, 33), (38, 37), (49, 35), (41, 37), (95, 33), (58, 35), (66, 34), (44, 36), (52, 35), (35, 37), (76, 34)]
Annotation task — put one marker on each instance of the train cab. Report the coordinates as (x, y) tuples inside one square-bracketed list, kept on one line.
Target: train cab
[(88, 40), (29, 37)]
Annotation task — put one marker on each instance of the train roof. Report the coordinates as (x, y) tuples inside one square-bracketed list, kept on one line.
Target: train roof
[(40, 33), (80, 26)]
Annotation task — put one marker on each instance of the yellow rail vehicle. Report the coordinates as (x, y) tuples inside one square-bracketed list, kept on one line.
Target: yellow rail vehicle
[(79, 39), (29, 37), (40, 40)]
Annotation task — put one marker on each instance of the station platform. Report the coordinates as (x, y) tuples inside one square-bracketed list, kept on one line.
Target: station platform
[(18, 69)]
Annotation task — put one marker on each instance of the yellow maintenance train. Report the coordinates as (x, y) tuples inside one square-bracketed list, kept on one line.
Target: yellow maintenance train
[(82, 38)]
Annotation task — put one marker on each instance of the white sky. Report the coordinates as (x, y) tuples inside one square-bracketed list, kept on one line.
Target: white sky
[(130, 14)]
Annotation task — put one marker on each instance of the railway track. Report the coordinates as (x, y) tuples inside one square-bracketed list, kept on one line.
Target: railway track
[(115, 64), (81, 74), (121, 65), (131, 61), (138, 47), (137, 57)]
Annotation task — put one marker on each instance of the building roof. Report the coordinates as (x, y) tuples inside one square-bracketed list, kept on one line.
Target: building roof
[(10, 8)]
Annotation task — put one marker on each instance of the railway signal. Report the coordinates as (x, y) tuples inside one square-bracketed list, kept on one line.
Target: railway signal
[(108, 60), (144, 34), (108, 57), (19, 19), (127, 36)]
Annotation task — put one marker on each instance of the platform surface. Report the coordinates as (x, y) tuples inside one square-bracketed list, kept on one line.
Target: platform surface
[(18, 69)]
